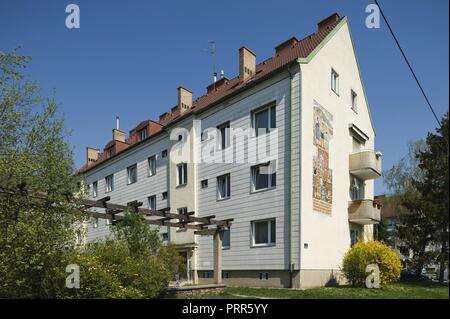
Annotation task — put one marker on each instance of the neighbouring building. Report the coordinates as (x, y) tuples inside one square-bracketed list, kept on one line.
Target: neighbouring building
[(297, 210)]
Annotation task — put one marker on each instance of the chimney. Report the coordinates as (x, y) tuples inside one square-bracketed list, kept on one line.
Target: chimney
[(247, 63), (325, 23), (118, 135), (91, 154), (184, 99)]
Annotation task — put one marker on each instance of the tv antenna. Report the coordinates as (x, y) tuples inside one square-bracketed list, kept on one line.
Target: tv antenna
[(212, 51)]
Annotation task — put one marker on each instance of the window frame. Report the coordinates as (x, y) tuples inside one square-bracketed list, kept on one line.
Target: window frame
[(95, 189), (223, 144), (267, 107), (204, 183), (166, 195), (271, 241), (271, 182), (134, 166), (227, 179), (226, 247), (183, 178), (143, 134), (149, 198), (164, 153), (181, 211), (335, 81), (151, 169), (109, 188), (354, 100)]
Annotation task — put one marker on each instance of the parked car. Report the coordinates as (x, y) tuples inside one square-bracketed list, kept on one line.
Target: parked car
[(410, 274)]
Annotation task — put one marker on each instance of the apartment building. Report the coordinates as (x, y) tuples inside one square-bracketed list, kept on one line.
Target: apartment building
[(285, 148)]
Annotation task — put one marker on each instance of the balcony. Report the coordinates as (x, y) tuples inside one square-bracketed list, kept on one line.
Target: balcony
[(365, 164), (364, 212)]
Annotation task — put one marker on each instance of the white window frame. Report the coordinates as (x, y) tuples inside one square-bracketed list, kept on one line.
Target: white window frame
[(271, 241), (149, 201), (183, 178), (266, 108), (143, 134), (95, 189), (204, 183), (151, 165), (226, 178), (334, 81), (270, 180), (129, 168), (226, 130), (109, 183), (95, 223)]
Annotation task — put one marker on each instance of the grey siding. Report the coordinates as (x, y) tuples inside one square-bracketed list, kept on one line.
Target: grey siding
[(144, 187), (243, 205)]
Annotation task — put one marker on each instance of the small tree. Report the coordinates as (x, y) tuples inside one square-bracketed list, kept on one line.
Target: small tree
[(34, 156)]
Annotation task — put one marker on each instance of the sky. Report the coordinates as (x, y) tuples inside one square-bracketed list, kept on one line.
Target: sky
[(128, 57)]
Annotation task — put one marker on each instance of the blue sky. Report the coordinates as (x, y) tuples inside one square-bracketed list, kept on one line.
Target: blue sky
[(129, 57)]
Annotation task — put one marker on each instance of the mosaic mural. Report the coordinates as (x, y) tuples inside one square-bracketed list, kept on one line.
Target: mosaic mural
[(323, 175)]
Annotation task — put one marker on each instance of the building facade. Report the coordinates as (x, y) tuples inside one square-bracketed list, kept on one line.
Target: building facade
[(286, 149)]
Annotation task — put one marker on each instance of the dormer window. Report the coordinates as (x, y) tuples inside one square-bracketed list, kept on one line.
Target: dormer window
[(111, 151), (142, 134)]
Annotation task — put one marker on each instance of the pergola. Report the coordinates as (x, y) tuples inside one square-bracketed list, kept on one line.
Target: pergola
[(206, 225)]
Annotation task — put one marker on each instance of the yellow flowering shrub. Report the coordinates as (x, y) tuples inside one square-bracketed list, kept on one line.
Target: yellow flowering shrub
[(371, 252)]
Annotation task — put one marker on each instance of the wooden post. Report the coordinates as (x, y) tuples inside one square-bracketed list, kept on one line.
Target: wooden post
[(218, 236)]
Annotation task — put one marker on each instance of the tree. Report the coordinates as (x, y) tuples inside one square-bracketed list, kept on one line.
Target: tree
[(433, 162), (34, 156), (415, 228)]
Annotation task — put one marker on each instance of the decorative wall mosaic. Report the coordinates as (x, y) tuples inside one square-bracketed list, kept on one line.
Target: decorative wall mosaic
[(323, 175)]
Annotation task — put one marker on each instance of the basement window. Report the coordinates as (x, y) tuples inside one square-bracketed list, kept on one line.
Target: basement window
[(263, 276)]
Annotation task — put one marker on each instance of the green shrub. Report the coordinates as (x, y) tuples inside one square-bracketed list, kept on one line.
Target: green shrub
[(371, 252)]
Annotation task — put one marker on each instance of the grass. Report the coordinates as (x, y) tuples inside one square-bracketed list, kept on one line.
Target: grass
[(404, 290)]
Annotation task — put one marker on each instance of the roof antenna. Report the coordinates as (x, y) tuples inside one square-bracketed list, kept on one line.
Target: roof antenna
[(117, 122), (212, 50)]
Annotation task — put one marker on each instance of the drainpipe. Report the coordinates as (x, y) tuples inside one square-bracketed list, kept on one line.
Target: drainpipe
[(290, 182)]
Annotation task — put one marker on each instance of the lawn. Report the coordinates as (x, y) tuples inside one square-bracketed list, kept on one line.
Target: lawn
[(406, 290)]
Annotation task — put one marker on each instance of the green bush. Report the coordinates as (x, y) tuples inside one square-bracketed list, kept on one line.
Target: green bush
[(371, 252)]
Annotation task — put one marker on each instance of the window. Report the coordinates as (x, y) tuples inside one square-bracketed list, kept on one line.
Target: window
[(264, 176), (356, 189), (78, 237), (206, 275), (181, 211), (94, 189), (95, 223), (354, 236), (264, 120), (164, 195), (225, 275), (334, 81), (263, 232), (109, 183), (108, 221), (142, 134), (263, 276), (204, 183), (226, 239), (152, 202), (132, 174), (224, 137), (223, 187), (165, 237), (111, 151), (152, 165), (164, 153), (180, 137), (182, 174), (354, 99)]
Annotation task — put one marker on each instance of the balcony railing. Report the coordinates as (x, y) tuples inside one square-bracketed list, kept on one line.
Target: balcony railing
[(364, 212), (365, 164)]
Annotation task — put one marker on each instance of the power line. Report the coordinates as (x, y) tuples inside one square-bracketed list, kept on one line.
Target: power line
[(409, 64)]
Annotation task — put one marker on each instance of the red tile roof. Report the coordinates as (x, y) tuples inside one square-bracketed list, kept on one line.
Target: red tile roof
[(286, 52)]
